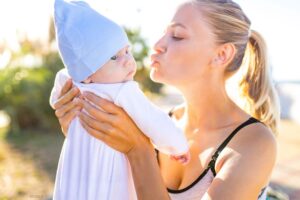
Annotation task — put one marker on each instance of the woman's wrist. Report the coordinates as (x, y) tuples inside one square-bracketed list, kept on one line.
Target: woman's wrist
[(141, 150), (146, 173)]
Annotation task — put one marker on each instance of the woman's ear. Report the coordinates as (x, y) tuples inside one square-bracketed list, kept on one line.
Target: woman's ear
[(225, 54)]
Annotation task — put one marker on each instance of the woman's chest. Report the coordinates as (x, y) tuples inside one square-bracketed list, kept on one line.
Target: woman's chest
[(178, 176)]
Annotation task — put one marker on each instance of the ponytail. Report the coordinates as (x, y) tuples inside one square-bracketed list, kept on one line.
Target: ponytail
[(256, 85)]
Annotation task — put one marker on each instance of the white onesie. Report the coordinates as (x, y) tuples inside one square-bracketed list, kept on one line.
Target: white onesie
[(88, 168)]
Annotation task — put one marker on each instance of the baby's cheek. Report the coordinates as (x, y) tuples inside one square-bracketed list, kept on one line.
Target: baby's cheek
[(119, 76)]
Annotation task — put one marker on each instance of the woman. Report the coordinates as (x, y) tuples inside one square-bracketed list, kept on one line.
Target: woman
[(232, 154)]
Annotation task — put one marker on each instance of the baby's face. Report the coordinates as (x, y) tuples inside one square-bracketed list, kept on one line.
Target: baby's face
[(119, 68)]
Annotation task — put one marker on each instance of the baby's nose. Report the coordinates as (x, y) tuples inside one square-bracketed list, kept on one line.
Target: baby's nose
[(129, 61)]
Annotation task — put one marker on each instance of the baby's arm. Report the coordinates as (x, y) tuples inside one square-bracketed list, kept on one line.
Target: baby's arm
[(156, 124), (60, 79)]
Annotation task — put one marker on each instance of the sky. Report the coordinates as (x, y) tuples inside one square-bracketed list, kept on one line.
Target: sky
[(277, 20)]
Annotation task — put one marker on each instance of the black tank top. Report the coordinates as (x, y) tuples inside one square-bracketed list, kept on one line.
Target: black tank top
[(211, 165)]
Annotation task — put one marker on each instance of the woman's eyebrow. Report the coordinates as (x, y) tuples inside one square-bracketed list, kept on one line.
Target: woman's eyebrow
[(173, 25)]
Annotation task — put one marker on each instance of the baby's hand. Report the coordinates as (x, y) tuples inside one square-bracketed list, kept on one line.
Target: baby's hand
[(183, 159)]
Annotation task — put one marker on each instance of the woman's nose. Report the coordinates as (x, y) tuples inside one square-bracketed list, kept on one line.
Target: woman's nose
[(160, 46)]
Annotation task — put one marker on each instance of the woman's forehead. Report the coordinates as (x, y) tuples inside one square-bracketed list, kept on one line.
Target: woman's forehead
[(186, 15), (189, 17)]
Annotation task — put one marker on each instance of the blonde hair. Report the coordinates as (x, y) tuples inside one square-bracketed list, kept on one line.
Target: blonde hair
[(230, 25)]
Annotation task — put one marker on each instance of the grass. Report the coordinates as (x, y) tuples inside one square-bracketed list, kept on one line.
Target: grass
[(28, 162)]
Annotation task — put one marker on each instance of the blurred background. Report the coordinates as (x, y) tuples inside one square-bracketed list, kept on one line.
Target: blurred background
[(30, 138)]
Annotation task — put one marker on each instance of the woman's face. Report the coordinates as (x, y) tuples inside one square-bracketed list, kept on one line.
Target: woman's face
[(184, 53)]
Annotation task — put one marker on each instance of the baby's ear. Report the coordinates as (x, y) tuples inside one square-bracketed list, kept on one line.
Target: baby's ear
[(88, 80)]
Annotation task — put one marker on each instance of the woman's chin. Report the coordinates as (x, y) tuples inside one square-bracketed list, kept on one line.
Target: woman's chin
[(154, 76)]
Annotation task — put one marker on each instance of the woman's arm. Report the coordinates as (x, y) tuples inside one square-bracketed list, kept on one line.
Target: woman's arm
[(114, 127), (146, 174)]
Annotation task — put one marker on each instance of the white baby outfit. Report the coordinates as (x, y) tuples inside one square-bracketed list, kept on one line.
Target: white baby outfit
[(88, 169)]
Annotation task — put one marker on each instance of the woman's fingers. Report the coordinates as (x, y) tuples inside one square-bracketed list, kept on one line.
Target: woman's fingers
[(106, 133), (68, 85), (110, 123), (67, 107), (97, 113), (96, 133), (66, 119), (99, 126), (104, 104), (69, 96)]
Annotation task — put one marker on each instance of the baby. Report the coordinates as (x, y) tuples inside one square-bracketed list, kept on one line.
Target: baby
[(95, 52)]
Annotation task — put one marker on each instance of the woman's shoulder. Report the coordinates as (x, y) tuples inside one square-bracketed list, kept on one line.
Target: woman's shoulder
[(247, 161), (255, 137), (251, 154), (254, 140)]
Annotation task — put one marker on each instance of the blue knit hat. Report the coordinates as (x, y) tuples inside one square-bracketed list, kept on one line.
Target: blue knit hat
[(86, 39)]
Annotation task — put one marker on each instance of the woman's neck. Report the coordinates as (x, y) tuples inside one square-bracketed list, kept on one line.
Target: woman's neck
[(209, 108)]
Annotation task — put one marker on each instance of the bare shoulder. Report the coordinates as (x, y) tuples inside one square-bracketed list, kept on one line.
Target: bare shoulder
[(255, 142), (255, 138), (248, 158)]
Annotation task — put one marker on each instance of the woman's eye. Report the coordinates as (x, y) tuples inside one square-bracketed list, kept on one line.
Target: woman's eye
[(176, 38), (114, 57)]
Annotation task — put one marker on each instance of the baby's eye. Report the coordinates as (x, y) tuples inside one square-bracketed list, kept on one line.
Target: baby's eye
[(114, 57), (128, 50)]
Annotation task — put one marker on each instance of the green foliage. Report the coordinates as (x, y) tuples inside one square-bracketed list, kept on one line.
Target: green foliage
[(24, 96), (52, 62), (142, 77)]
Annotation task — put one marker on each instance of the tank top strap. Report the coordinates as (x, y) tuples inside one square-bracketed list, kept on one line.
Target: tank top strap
[(214, 157)]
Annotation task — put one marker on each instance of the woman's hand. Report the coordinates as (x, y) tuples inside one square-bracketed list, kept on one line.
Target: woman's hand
[(67, 106), (111, 124)]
